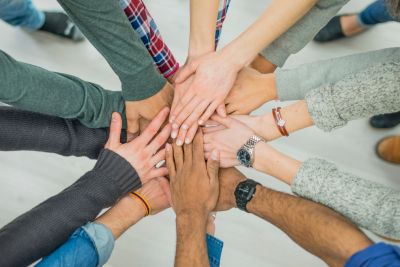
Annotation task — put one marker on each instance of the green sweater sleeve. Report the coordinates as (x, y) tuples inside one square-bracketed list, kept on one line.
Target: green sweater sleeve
[(368, 204), (107, 28), (292, 85), (302, 32)]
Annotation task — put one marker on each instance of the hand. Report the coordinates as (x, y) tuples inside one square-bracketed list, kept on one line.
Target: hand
[(214, 76), (228, 137), (228, 181), (194, 184), (250, 91), (143, 153), (157, 193), (147, 109)]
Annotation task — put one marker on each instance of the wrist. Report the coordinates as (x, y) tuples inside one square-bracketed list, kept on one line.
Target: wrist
[(199, 48), (191, 221), (232, 57), (270, 90), (267, 127)]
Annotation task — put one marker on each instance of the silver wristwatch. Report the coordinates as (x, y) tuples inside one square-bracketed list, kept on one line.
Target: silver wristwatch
[(245, 154)]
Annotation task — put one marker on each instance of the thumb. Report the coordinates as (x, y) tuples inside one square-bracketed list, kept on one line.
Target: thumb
[(133, 124), (213, 165), (185, 72), (221, 110), (114, 138)]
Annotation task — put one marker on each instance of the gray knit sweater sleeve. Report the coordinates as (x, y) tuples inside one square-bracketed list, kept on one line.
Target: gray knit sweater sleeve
[(292, 85), (368, 204), (373, 91), (302, 32)]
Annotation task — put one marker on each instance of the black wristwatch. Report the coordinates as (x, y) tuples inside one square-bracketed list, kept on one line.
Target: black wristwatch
[(244, 193)]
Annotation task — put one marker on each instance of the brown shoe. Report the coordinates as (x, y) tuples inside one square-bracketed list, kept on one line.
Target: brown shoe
[(388, 149)]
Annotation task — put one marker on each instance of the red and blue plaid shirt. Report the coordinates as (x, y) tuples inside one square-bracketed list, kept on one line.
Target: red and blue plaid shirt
[(145, 26)]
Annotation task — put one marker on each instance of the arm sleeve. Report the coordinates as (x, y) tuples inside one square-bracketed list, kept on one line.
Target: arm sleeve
[(373, 91), (41, 230), (292, 85), (24, 130), (368, 204), (302, 32), (107, 28)]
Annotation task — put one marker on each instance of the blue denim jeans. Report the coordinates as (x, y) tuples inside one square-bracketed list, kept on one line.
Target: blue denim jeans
[(92, 245), (375, 13), (21, 13)]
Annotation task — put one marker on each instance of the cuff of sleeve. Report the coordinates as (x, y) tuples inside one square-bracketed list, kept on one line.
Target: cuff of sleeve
[(379, 254), (214, 248), (275, 54), (119, 170), (322, 109), (144, 84), (310, 178), (287, 84), (102, 239)]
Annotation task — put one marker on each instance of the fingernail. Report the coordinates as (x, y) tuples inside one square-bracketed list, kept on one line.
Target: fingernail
[(167, 147), (174, 134), (214, 155), (175, 126), (200, 122), (179, 142), (185, 127), (187, 141)]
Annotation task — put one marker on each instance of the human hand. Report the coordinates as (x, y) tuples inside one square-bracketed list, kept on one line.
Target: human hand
[(250, 91), (143, 153), (228, 137), (147, 109), (194, 183), (157, 193), (214, 76), (228, 181)]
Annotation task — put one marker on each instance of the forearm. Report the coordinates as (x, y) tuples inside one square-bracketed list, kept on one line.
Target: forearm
[(42, 229), (373, 206), (311, 225), (24, 130), (191, 242), (107, 28), (35, 89), (300, 34), (272, 162), (268, 27), (292, 85), (203, 16)]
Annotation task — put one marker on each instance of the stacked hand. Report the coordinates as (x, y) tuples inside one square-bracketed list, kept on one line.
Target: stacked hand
[(145, 151), (213, 76)]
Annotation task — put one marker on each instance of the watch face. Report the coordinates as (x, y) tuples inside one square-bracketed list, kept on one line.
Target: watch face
[(244, 157)]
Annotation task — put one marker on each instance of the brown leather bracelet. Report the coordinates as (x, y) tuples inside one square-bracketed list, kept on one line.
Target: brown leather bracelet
[(280, 122)]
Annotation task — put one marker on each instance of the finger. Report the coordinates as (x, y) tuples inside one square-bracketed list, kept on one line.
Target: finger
[(227, 121), (186, 112), (208, 113), (154, 126), (157, 172), (174, 105), (221, 110), (182, 103), (170, 162), (160, 139), (178, 157), (157, 158), (164, 184), (212, 129), (213, 165), (208, 148), (188, 154), (185, 72), (194, 117), (191, 133), (198, 147), (230, 108), (114, 138)]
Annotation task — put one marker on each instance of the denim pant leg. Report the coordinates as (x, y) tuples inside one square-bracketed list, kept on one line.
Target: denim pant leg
[(21, 13), (375, 13)]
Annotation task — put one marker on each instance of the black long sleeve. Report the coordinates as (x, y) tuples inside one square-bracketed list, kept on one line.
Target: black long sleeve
[(41, 230), (25, 130)]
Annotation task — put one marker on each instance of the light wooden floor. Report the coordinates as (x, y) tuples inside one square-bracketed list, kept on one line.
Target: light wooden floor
[(28, 178)]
